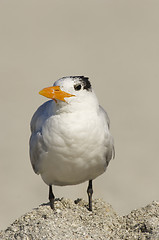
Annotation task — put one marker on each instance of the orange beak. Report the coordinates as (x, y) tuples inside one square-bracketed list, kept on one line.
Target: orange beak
[(55, 93)]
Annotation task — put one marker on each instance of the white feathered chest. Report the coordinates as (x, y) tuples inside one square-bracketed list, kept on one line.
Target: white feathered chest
[(75, 142)]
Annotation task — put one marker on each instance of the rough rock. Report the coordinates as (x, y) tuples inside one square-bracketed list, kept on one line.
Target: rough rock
[(72, 221)]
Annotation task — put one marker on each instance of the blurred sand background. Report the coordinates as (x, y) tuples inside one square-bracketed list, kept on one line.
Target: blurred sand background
[(116, 44)]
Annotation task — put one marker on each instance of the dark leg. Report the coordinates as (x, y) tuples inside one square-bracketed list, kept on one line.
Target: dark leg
[(51, 197), (90, 192)]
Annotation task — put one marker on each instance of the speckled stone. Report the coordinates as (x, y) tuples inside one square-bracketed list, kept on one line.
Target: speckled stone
[(73, 221)]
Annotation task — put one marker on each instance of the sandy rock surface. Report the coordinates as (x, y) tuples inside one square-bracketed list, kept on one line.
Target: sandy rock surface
[(71, 220)]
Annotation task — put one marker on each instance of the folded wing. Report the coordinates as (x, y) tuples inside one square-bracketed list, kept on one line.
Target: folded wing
[(36, 143)]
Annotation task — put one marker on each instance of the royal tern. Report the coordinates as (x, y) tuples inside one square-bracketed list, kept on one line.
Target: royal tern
[(70, 140)]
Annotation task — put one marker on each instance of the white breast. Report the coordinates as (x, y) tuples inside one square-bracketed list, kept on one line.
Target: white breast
[(77, 144)]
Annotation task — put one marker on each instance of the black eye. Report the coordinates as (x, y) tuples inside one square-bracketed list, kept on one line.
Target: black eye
[(77, 87)]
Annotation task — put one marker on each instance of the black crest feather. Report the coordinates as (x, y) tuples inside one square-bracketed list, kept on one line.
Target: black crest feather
[(85, 82)]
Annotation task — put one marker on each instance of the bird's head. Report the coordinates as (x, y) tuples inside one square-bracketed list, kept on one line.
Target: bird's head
[(67, 88)]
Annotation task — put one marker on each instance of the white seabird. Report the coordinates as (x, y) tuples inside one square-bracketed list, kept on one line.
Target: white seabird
[(70, 140)]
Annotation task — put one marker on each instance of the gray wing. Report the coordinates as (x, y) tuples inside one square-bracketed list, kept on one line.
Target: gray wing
[(37, 149), (40, 116), (104, 115), (110, 143), (37, 146)]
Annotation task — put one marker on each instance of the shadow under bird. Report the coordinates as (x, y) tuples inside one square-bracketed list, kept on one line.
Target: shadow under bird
[(70, 140)]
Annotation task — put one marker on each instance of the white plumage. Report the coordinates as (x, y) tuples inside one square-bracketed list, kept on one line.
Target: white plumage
[(70, 141)]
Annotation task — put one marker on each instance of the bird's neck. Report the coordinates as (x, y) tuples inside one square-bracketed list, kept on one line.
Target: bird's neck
[(90, 104)]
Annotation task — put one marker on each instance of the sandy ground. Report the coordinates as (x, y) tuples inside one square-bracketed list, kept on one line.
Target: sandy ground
[(116, 44), (74, 221)]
